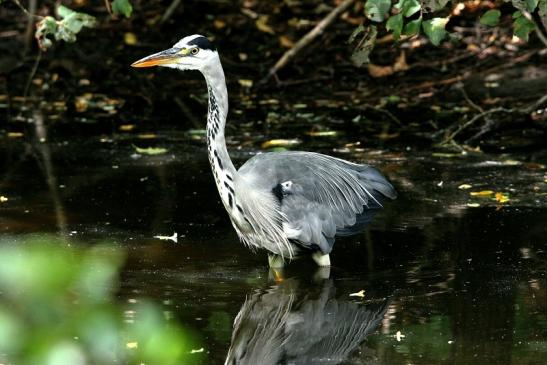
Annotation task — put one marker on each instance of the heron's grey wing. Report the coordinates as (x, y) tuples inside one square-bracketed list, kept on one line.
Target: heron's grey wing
[(319, 196)]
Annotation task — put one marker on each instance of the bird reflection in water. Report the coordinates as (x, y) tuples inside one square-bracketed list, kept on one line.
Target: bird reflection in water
[(287, 324)]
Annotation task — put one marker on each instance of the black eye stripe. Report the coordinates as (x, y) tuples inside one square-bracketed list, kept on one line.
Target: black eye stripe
[(202, 43)]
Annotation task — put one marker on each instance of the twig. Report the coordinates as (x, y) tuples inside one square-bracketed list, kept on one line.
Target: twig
[(383, 111), (22, 7), (29, 36), (32, 73), (308, 38), (170, 10), (108, 6), (475, 119), (469, 101), (538, 31)]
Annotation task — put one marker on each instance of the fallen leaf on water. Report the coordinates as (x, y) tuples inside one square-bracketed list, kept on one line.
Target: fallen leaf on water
[(360, 294), (280, 143), (219, 23), (15, 134), (147, 136), (132, 345), (511, 162), (323, 133), (445, 155), (197, 351), (127, 127), (473, 205), (501, 197), (245, 83), (174, 237), (534, 166), (481, 193), (399, 336), (465, 186), (286, 42), (3, 199), (130, 38), (262, 24), (150, 150)]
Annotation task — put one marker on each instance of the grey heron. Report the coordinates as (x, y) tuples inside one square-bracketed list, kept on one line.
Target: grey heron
[(285, 202)]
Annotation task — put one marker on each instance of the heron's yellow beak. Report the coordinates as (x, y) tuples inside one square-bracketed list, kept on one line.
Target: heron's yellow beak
[(161, 58)]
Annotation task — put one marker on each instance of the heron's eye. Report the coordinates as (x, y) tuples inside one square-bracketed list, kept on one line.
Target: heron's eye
[(194, 51)]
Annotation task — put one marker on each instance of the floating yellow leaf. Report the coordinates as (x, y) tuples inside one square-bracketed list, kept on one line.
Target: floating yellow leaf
[(465, 186), (3, 199), (245, 83), (130, 38), (219, 23), (127, 127), (360, 294), (399, 336), (197, 351), (150, 150), (262, 25), (482, 193), (501, 197), (473, 205), (323, 133), (280, 143), (286, 42), (132, 345), (147, 136), (15, 134)]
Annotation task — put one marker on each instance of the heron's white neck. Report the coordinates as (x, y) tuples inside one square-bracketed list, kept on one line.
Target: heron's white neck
[(223, 168)]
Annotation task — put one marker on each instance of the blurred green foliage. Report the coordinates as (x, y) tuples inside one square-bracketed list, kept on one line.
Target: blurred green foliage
[(410, 17), (58, 307)]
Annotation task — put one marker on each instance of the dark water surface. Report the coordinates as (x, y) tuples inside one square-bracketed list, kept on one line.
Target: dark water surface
[(460, 278)]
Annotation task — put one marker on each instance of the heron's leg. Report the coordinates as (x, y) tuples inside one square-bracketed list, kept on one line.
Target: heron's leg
[(276, 261), (320, 259), (321, 274)]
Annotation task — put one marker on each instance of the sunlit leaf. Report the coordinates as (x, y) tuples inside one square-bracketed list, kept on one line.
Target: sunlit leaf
[(482, 193), (410, 7), (434, 29), (395, 23), (150, 150), (122, 7), (280, 143), (501, 197), (491, 17), (377, 10), (464, 186)]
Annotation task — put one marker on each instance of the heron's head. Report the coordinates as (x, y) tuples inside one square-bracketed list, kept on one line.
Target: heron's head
[(194, 52)]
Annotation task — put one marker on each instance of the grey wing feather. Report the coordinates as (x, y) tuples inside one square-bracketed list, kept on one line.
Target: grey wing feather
[(326, 196)]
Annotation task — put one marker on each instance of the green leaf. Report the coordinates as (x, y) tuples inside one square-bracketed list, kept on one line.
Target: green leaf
[(522, 27), (531, 5), (361, 53), (431, 6), (434, 29), (413, 27), (410, 7), (122, 7), (491, 17), (377, 10), (395, 23), (542, 12)]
